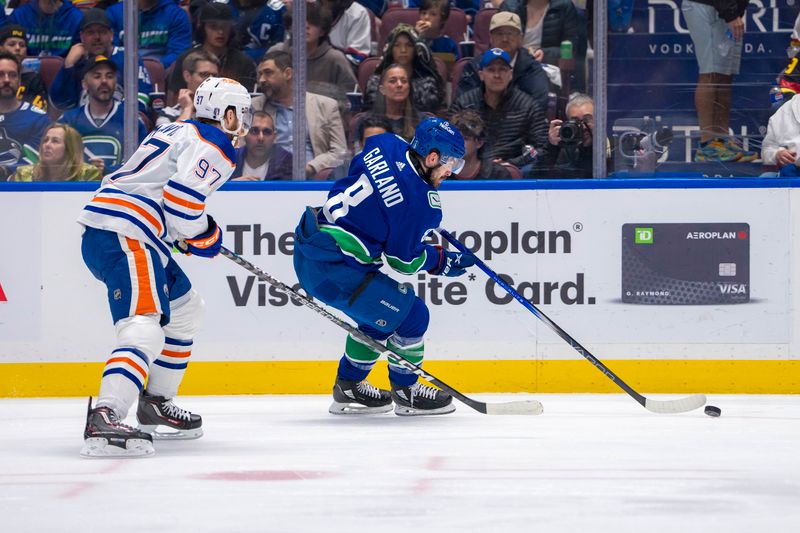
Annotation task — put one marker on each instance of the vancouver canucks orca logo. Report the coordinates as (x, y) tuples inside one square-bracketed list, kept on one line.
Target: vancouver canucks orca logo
[(10, 150)]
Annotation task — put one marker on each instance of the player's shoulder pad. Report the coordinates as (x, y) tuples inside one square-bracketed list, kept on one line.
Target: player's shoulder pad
[(215, 137)]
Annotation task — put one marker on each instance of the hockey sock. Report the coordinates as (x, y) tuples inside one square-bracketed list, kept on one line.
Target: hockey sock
[(357, 361), (123, 378), (412, 349), (168, 368)]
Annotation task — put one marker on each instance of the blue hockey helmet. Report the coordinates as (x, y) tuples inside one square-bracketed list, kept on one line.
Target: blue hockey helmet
[(436, 134)]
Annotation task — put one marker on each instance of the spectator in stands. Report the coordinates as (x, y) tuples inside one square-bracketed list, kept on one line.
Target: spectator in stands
[(514, 120), (197, 66), (545, 25), (21, 125), (371, 125), (325, 144), (259, 25), (718, 58), (351, 31), (96, 39), (60, 158), (215, 35), (164, 29), (14, 40), (573, 158), (259, 159), (394, 102), (433, 15), (405, 48), (469, 7), (505, 31), (782, 143), (52, 26), (328, 71), (101, 120), (472, 127)]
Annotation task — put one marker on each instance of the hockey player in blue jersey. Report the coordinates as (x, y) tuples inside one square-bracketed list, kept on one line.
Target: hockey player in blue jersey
[(382, 213), (157, 198)]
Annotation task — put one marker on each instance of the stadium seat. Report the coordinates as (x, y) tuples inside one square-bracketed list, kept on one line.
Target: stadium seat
[(157, 73), (481, 27), (455, 27), (48, 68), (458, 70), (515, 173), (365, 70)]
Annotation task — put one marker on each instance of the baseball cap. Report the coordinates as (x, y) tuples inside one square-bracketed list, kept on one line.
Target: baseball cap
[(95, 16), (96, 61), (12, 30), (493, 54), (505, 18)]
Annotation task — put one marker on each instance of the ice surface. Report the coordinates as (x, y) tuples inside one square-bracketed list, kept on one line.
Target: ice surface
[(590, 463)]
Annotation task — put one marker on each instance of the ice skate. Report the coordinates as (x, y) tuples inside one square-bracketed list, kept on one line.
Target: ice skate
[(177, 423), (419, 399), (359, 398), (106, 436)]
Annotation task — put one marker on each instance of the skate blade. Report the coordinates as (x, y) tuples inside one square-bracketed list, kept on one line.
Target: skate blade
[(99, 448), (339, 408), (168, 433), (402, 410)]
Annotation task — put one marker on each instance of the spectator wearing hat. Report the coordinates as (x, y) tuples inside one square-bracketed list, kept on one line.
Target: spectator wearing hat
[(32, 89), (405, 48), (513, 118), (214, 32), (101, 120), (505, 31), (52, 26), (197, 66), (21, 124), (96, 38), (472, 127), (164, 29)]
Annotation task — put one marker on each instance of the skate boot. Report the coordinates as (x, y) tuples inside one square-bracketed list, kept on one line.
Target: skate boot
[(155, 411), (419, 399), (106, 436), (359, 398)]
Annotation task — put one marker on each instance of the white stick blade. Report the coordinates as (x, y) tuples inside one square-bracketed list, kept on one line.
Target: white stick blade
[(682, 405), (526, 407)]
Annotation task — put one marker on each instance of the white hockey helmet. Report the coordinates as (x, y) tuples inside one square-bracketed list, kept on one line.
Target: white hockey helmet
[(215, 96)]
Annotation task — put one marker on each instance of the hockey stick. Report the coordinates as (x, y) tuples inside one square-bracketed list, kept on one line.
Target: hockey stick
[(657, 406), (522, 407)]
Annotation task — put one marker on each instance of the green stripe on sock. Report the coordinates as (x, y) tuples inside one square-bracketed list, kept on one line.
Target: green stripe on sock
[(415, 354), (358, 352)]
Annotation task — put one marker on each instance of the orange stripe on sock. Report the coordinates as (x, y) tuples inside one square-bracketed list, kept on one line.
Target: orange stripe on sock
[(170, 353), (116, 201), (191, 205), (130, 362), (145, 303)]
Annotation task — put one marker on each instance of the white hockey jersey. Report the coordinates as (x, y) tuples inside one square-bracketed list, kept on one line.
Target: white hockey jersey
[(158, 196)]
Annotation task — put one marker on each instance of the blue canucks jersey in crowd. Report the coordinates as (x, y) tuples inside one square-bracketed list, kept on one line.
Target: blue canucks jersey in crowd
[(49, 35), (164, 30), (20, 134), (383, 208), (104, 139), (259, 28), (66, 92)]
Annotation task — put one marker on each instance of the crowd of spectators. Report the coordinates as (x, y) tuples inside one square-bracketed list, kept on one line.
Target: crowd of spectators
[(362, 76)]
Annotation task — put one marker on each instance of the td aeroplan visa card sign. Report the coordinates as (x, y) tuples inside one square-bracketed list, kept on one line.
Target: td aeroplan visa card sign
[(686, 263)]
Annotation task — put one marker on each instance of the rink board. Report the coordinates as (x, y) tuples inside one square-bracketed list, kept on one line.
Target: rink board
[(566, 245)]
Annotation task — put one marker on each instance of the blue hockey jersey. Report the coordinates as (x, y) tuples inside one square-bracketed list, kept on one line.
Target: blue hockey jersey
[(164, 31), (259, 28), (102, 140), (66, 93), (49, 35), (20, 134), (383, 210)]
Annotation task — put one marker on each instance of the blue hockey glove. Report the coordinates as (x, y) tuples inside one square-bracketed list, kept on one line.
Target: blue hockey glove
[(452, 264), (206, 244)]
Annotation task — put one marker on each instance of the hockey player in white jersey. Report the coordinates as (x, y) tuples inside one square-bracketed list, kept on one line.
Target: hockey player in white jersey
[(157, 199)]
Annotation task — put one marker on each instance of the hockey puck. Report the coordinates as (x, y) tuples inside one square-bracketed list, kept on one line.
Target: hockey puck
[(711, 410)]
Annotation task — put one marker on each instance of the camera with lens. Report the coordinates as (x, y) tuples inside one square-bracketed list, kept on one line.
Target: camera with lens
[(572, 131), (641, 144)]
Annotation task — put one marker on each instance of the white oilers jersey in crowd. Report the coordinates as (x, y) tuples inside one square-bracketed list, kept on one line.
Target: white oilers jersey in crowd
[(158, 196)]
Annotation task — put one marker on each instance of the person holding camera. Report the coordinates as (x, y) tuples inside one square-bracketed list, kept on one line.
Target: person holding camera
[(568, 153)]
